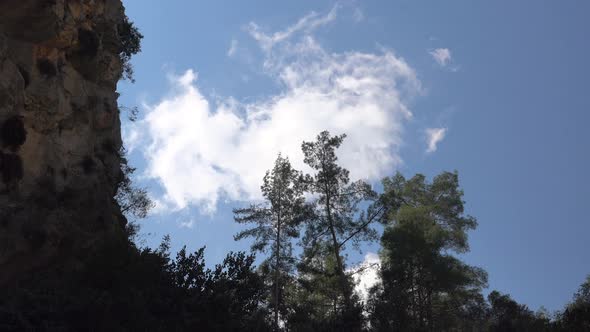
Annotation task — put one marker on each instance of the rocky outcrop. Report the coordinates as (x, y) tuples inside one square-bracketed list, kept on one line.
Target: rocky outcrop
[(59, 129)]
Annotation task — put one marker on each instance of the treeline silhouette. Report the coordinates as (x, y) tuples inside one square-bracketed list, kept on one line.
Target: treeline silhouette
[(302, 228)]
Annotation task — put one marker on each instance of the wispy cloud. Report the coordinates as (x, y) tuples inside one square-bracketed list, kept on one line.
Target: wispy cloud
[(233, 47), (190, 223), (200, 151), (442, 56), (306, 24), (433, 137)]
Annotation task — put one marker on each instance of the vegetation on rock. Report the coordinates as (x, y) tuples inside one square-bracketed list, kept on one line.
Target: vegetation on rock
[(130, 39)]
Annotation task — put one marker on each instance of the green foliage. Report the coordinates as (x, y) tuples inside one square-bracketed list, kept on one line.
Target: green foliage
[(506, 315), (277, 222), (317, 303), (132, 112), (582, 296), (278, 219), (423, 287), (119, 287), (229, 297), (576, 316), (134, 201), (130, 39), (337, 205), (440, 203)]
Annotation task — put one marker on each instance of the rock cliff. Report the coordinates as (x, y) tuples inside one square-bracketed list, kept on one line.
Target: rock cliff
[(60, 61)]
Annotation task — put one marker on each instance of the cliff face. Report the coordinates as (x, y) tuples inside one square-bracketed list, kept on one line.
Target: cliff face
[(59, 128)]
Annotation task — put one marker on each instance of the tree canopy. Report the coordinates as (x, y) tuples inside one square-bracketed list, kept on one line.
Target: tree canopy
[(302, 228), (277, 222)]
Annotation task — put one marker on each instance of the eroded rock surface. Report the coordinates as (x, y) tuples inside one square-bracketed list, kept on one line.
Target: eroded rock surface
[(59, 129)]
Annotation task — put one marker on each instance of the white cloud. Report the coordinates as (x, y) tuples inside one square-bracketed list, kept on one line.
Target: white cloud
[(131, 137), (368, 274), (433, 137), (199, 151), (162, 207), (306, 24), (442, 56), (187, 224), (233, 47)]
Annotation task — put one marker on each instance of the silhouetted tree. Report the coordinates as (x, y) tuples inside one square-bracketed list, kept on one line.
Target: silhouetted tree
[(316, 304), (130, 44), (277, 222), (118, 287), (506, 315), (337, 220), (228, 298), (134, 201), (576, 316)]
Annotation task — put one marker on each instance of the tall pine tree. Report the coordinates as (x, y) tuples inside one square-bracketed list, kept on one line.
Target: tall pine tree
[(277, 222), (337, 218)]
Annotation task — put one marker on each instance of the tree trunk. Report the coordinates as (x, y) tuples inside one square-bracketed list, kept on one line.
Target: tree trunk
[(278, 261), (343, 282)]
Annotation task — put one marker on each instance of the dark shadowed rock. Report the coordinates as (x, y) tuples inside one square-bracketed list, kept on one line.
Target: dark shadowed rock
[(57, 95)]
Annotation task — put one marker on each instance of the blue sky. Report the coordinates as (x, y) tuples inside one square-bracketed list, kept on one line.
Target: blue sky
[(496, 90)]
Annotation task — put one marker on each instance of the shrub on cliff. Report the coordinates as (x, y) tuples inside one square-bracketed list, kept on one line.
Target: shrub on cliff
[(130, 39)]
